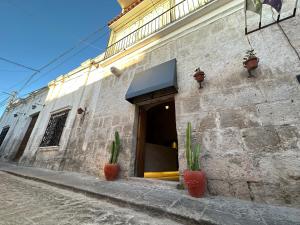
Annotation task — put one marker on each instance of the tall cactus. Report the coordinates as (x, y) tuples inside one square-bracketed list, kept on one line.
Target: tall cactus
[(115, 149), (196, 155), (188, 145), (192, 154)]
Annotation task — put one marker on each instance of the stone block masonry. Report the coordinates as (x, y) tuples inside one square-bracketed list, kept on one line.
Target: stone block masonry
[(249, 128)]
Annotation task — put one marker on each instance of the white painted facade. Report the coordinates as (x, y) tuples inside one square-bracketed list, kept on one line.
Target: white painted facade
[(18, 116), (249, 129)]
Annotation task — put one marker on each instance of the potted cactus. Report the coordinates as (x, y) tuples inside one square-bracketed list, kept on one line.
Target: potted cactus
[(250, 60), (194, 177), (111, 169)]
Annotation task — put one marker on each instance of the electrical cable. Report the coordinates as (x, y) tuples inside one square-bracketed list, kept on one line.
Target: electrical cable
[(67, 59), (61, 55), (12, 71), (289, 41), (3, 92), (286, 36), (26, 79), (3, 102), (17, 64)]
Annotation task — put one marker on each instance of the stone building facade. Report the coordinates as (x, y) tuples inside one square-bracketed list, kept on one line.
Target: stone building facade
[(248, 128), (17, 118)]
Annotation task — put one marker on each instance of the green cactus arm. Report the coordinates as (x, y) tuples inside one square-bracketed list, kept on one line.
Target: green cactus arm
[(112, 150), (114, 153), (118, 146), (196, 156), (188, 145)]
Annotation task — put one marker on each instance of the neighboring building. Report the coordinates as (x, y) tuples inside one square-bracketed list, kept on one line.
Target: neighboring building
[(17, 123), (143, 87)]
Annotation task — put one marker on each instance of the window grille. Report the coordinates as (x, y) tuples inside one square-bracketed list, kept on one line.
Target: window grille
[(54, 129), (3, 134)]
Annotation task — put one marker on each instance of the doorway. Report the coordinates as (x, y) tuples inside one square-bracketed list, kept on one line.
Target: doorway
[(157, 153), (26, 137)]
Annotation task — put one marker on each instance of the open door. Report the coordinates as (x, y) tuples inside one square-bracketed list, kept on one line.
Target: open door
[(157, 153), (26, 137)]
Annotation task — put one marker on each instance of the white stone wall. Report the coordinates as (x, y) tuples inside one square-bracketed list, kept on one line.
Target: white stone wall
[(65, 93), (249, 128), (18, 125)]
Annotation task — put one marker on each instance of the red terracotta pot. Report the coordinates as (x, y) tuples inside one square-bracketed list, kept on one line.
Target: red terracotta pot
[(195, 182), (199, 76), (111, 171), (251, 63)]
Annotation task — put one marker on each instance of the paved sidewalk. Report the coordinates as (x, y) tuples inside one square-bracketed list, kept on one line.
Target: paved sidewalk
[(157, 198), (29, 202)]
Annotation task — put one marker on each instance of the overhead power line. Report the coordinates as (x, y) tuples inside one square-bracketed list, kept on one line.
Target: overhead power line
[(3, 92), (61, 55), (3, 102), (12, 71), (17, 64), (67, 59)]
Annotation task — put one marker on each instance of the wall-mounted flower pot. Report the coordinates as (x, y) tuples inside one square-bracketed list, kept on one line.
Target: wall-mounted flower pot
[(111, 171), (199, 76), (80, 111), (251, 63), (195, 182)]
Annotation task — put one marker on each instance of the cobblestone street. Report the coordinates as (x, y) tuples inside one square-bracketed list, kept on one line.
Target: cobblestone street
[(29, 202)]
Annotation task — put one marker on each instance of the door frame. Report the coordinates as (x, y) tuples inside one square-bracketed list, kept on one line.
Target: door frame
[(141, 131), (140, 145), (26, 137)]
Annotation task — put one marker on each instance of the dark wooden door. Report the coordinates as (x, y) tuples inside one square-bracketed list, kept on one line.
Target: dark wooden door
[(26, 138), (141, 138)]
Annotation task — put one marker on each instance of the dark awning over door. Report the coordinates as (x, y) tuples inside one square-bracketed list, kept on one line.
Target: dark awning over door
[(156, 82)]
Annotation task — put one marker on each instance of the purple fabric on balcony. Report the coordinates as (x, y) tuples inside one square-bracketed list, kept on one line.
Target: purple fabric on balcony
[(276, 4)]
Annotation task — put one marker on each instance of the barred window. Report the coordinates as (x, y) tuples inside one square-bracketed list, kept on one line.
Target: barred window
[(54, 129), (3, 134)]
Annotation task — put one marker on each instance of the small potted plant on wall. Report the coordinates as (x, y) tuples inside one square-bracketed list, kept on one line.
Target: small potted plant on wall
[(111, 169), (250, 60), (194, 177), (199, 76)]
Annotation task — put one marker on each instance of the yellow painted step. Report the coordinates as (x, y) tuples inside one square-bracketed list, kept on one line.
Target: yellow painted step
[(166, 175)]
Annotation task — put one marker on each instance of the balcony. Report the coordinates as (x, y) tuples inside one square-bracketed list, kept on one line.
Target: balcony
[(173, 14)]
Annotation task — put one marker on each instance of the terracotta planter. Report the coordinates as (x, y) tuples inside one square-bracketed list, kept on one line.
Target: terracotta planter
[(251, 63), (111, 171), (80, 110), (199, 76), (195, 182)]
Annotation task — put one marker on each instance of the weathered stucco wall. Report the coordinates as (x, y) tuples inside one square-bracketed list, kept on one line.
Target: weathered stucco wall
[(249, 128), (18, 125), (65, 93), (90, 141)]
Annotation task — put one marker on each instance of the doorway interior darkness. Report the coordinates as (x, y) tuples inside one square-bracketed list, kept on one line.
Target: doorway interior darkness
[(157, 154), (26, 137)]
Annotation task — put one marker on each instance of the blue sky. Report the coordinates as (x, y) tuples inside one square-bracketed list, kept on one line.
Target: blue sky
[(33, 32)]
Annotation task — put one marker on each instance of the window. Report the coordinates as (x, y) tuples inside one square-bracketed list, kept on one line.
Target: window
[(3, 134), (54, 129)]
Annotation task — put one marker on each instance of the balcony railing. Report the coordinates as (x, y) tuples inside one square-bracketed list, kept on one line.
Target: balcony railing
[(173, 14)]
